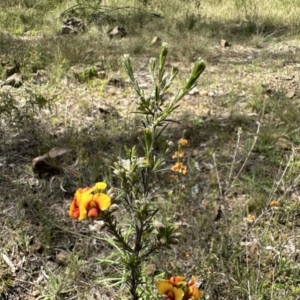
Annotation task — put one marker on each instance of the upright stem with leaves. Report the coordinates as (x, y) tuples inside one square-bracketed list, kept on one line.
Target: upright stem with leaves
[(137, 173)]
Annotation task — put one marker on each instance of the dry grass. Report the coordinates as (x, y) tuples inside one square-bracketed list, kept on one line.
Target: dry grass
[(249, 82)]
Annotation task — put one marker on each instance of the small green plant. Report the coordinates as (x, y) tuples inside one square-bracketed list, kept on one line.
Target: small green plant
[(14, 113), (144, 234), (85, 75)]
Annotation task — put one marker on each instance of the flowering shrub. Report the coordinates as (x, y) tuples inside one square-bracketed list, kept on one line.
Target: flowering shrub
[(136, 176)]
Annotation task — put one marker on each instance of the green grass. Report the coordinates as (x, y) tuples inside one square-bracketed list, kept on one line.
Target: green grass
[(232, 257)]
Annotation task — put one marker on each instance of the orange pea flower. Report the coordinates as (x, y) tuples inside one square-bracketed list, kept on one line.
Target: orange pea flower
[(89, 202), (250, 218), (178, 154), (183, 142), (176, 288), (172, 292), (175, 280), (179, 167), (274, 203)]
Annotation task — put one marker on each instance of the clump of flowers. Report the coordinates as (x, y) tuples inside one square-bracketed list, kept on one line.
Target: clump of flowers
[(178, 154), (176, 288), (179, 166), (89, 202)]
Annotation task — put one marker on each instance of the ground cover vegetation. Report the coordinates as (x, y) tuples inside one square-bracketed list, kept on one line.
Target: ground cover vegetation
[(155, 197)]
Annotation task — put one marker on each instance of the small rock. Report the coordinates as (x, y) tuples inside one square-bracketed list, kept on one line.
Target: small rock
[(37, 247), (41, 77), (66, 29), (115, 80), (284, 144), (63, 258), (15, 80), (51, 265), (24, 276), (196, 153), (267, 90), (4, 60), (35, 293), (109, 111), (182, 224), (194, 91), (208, 166), (290, 94), (51, 162), (102, 74), (97, 226), (150, 269), (285, 77), (11, 69), (83, 73), (117, 32), (156, 41), (225, 43), (100, 66), (143, 85), (203, 93), (72, 26)]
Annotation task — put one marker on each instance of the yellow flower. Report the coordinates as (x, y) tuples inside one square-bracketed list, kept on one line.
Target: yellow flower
[(179, 167), (274, 203), (165, 287), (183, 142), (178, 154), (89, 202)]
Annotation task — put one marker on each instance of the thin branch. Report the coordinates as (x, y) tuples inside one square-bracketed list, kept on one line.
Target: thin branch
[(217, 174), (247, 157), (234, 158)]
